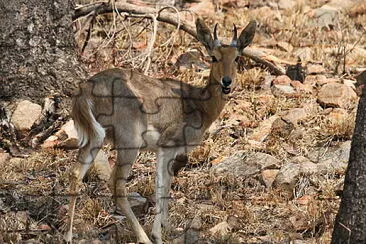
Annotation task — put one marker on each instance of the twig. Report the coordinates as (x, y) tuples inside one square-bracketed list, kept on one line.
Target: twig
[(168, 18), (150, 48)]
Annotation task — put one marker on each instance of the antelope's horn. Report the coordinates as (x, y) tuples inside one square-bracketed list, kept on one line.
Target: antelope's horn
[(234, 42), (216, 40)]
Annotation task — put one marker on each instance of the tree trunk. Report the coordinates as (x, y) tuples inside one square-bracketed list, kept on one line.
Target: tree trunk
[(38, 50), (350, 225)]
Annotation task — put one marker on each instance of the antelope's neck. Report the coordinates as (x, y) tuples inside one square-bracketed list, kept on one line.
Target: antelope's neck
[(215, 103)]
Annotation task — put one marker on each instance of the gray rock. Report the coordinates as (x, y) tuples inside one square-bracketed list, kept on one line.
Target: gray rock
[(331, 159), (282, 90), (243, 164), (290, 172), (325, 16)]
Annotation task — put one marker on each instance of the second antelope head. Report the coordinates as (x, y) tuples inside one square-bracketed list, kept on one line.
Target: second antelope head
[(224, 57)]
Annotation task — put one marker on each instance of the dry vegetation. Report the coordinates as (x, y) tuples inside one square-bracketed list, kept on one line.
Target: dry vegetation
[(33, 205)]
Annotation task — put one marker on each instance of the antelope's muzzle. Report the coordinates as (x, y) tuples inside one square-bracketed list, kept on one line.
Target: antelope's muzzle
[(226, 84)]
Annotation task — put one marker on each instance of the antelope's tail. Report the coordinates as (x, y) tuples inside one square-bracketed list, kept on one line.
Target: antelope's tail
[(85, 123)]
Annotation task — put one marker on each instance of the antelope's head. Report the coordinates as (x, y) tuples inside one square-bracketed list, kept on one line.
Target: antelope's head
[(224, 57)]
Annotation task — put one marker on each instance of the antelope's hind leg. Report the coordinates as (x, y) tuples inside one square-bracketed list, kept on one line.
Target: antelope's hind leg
[(118, 180), (86, 157)]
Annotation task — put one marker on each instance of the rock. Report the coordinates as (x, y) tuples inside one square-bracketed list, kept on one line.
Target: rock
[(283, 90), (350, 83), (202, 8), (70, 135), (281, 80), (304, 200), (190, 60), (263, 130), (281, 128), (290, 172), (302, 88), (287, 175), (243, 164), (234, 222), (325, 16), (285, 46), (305, 54), (192, 234), (295, 115), (269, 176), (316, 80), (357, 9), (331, 159), (313, 69), (25, 114), (50, 142), (4, 157), (222, 229), (138, 203), (337, 117), (286, 4), (337, 95), (101, 166)]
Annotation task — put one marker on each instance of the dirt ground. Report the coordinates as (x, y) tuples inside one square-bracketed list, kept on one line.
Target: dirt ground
[(33, 190)]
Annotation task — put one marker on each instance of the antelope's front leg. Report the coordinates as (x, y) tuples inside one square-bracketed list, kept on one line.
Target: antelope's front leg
[(162, 187)]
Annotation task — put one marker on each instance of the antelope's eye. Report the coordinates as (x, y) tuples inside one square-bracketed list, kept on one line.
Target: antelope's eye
[(214, 59)]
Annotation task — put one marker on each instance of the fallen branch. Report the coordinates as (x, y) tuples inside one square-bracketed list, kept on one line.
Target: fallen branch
[(169, 18)]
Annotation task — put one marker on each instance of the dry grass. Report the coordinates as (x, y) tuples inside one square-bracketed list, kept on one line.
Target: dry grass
[(33, 190)]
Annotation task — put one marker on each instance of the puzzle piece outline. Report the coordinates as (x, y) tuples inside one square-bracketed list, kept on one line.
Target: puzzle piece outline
[(182, 95)]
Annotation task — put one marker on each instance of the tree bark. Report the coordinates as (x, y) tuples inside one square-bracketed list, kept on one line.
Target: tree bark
[(37, 46), (350, 224)]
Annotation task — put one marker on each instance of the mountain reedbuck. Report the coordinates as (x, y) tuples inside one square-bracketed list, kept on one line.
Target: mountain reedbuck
[(139, 113)]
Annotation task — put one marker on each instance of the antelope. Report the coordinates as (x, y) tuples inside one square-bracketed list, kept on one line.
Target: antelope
[(138, 113)]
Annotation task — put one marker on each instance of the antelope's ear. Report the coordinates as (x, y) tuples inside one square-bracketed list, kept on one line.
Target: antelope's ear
[(204, 34), (247, 35)]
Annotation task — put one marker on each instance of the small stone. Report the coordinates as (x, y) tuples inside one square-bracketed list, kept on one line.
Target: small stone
[(4, 157), (285, 46), (295, 115), (25, 114), (70, 134), (281, 80), (287, 175), (286, 4), (222, 228), (313, 69), (263, 130), (50, 142), (305, 54), (269, 176), (304, 200), (283, 90), (281, 128), (302, 88), (337, 117)]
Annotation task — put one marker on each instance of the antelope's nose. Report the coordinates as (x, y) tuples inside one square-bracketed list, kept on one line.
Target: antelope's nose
[(226, 81)]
